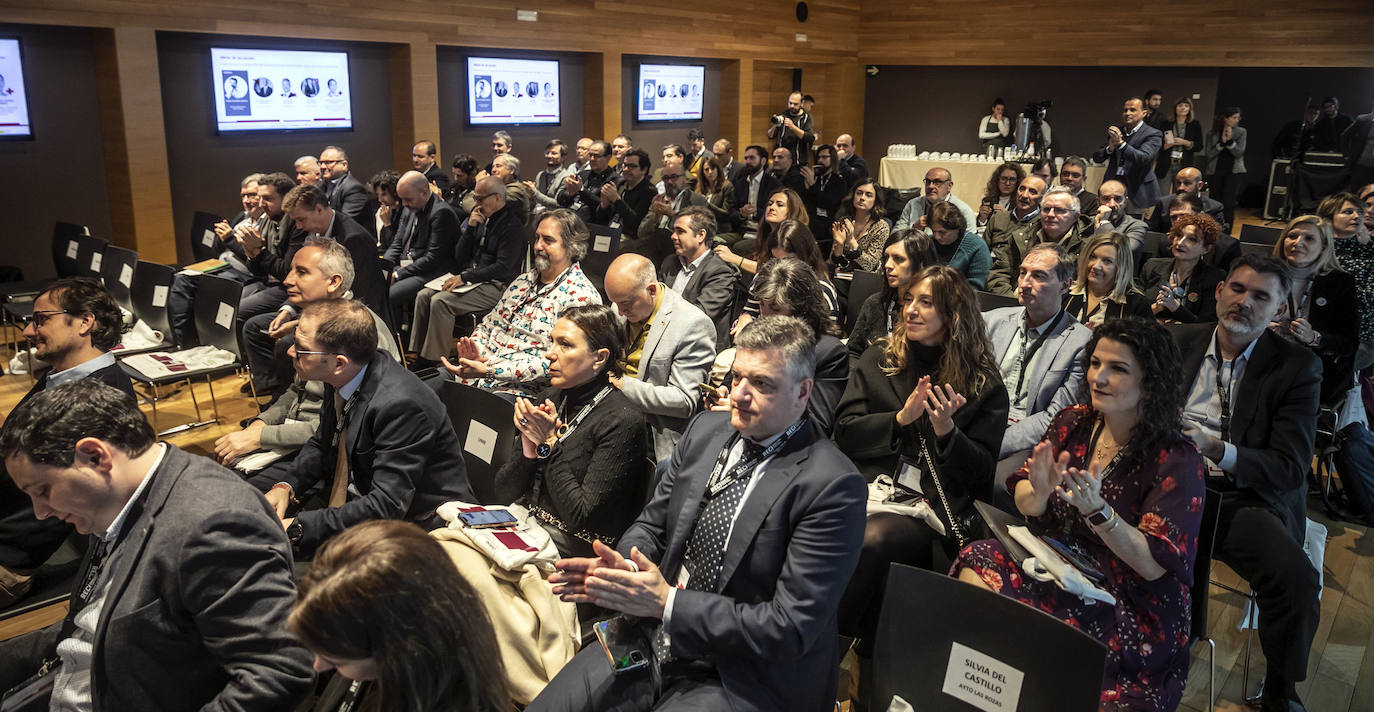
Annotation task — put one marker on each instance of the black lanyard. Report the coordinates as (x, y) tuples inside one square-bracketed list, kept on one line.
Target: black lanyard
[(1224, 393), (566, 430), (99, 556), (538, 291), (720, 479), (1028, 354)]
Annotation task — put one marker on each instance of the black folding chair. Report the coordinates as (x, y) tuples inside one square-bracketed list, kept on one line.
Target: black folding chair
[(148, 302), (1202, 575), (484, 424), (987, 301), (603, 250), (1259, 234), (117, 272), (863, 285), (205, 244)]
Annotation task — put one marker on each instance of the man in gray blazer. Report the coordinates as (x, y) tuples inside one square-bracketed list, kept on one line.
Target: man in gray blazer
[(1039, 350), (182, 600), (670, 346)]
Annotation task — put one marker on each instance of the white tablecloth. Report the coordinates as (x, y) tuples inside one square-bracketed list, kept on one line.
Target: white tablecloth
[(970, 177)]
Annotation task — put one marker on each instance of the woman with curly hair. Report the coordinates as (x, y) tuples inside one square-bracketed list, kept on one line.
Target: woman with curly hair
[(1000, 193), (1115, 481), (1184, 287), (927, 407)]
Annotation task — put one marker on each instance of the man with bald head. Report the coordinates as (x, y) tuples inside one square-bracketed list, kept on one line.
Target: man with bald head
[(1111, 214), (486, 258), (424, 157), (346, 194), (583, 144), (422, 249), (1188, 180), (852, 167), (669, 347), (939, 188)]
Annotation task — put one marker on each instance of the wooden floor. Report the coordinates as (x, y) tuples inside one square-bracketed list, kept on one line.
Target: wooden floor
[(1340, 673)]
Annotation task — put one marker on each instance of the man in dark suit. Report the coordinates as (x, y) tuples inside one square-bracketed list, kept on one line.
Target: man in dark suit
[(735, 568), (752, 189), (653, 238), (75, 323), (312, 214), (346, 193), (625, 204), (697, 273), (725, 156), (401, 458), (1188, 180), (1252, 411), (424, 158), (1130, 153), (852, 166), (183, 597), (423, 246)]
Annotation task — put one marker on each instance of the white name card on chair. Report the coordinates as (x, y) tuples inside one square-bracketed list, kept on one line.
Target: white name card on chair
[(126, 275), (481, 441), (224, 316), (160, 296), (72, 247), (601, 243), (95, 262), (208, 238), (981, 680)]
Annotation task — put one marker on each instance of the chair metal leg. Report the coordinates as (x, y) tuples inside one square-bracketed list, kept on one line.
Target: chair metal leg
[(199, 421), (213, 402)]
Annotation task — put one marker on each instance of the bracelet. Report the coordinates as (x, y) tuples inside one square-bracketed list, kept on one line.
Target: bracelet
[(290, 491)]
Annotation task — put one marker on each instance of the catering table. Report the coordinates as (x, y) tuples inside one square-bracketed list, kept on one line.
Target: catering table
[(970, 177)]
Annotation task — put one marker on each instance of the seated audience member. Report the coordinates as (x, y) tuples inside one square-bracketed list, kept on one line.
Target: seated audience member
[(673, 155), (825, 190), (725, 156), (1045, 170), (322, 272), (788, 287), (905, 253), (345, 193), (696, 273), (384, 448), (959, 247), (859, 230), (1038, 348), (718, 190), (697, 153), (506, 168), (754, 187), (459, 194), (389, 209), (424, 158), (501, 145), (756, 634), (1124, 489), (308, 171), (505, 353), (1184, 286), (486, 259), (852, 166), (75, 324), (1000, 193), (1058, 222), (930, 395), (1129, 153), (654, 236), (585, 481), (582, 192), (1227, 248), (1111, 214), (939, 188), (423, 247), (1072, 175), (548, 182), (1104, 288), (1256, 430), (191, 613), (785, 169), (669, 347), (793, 239), (181, 298), (783, 204), (1188, 180), (619, 145), (1347, 216), (625, 202), (1323, 307), (364, 580)]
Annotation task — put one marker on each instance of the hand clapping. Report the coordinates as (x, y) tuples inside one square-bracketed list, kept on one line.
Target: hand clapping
[(536, 423)]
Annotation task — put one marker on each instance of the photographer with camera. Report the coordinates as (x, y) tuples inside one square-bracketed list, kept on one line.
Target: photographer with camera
[(793, 129)]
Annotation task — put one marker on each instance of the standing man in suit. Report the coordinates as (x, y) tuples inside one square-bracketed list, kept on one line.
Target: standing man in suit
[(752, 189), (424, 158), (423, 246), (1130, 153), (311, 212), (182, 601), (653, 239), (669, 348), (697, 273), (346, 193), (1039, 351), (385, 448), (734, 570), (74, 325), (1252, 411)]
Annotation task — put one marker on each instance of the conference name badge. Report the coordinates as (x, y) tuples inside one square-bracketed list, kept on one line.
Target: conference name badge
[(1192, 297), (1321, 301)]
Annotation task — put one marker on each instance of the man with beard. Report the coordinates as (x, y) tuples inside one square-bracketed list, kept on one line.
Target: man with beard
[(795, 131), (654, 238), (544, 188), (939, 188), (1111, 214), (582, 192)]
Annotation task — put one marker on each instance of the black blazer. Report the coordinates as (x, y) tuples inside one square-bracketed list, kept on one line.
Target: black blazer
[(711, 289), (1192, 131), (492, 251), (369, 285), (768, 185), (1333, 312), (275, 261), (1136, 305), (350, 196), (1199, 302), (438, 176), (1136, 157), (195, 613), (435, 233), (404, 456)]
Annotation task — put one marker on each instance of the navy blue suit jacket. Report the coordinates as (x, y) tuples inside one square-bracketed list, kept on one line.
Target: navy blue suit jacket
[(1135, 158), (432, 232)]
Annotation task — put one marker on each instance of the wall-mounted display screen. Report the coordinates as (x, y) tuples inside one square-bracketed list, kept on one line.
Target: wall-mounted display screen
[(14, 102), (670, 92), (513, 91), (280, 90)]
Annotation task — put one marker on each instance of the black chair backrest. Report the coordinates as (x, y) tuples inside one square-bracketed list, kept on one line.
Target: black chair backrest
[(987, 301), (864, 285), (204, 243), (1259, 234), (217, 305), (604, 248), (90, 254), (1250, 248), (1202, 563), (63, 257), (984, 628), (483, 421), (152, 282), (895, 199), (1149, 248), (117, 271)]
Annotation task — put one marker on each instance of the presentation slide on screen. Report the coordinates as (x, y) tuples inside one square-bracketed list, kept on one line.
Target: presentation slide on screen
[(670, 92), (513, 91), (14, 104), (275, 90)]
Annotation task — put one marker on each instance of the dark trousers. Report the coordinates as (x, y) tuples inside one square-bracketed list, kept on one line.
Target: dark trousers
[(1225, 189), (402, 298), (888, 539), (1255, 543), (264, 301), (587, 684), (181, 303)]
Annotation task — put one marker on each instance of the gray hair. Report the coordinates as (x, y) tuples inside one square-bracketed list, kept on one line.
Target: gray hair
[(307, 160), (511, 161), (250, 178), (573, 231), (789, 336), (1074, 205), (334, 259), (510, 143), (1065, 271), (699, 218)]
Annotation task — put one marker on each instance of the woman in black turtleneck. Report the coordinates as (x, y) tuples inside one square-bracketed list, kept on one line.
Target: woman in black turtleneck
[(934, 383), (583, 467)]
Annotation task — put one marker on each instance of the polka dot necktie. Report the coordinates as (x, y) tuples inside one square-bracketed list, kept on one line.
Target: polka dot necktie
[(706, 548)]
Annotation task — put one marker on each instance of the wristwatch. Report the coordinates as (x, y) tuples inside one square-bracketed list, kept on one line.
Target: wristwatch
[(543, 450), (295, 532), (1101, 516)]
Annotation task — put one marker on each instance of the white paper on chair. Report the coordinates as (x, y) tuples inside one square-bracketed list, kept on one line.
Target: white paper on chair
[(982, 680), (71, 249), (481, 441), (160, 296), (95, 262), (254, 462), (224, 316), (602, 243), (208, 238), (126, 275)]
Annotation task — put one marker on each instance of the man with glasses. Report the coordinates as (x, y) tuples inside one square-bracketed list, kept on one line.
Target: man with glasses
[(487, 258), (1072, 175), (1111, 214), (582, 192), (1188, 181), (1058, 222), (346, 194), (654, 238), (939, 187), (74, 325)]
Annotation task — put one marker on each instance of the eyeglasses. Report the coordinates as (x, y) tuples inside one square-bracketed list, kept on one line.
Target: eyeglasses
[(329, 163), (479, 198), (928, 181), (1054, 210), (39, 318), (303, 352)]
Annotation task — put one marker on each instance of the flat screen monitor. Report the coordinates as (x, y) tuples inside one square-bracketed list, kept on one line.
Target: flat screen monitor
[(670, 92), (513, 91), (280, 90), (14, 101)]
